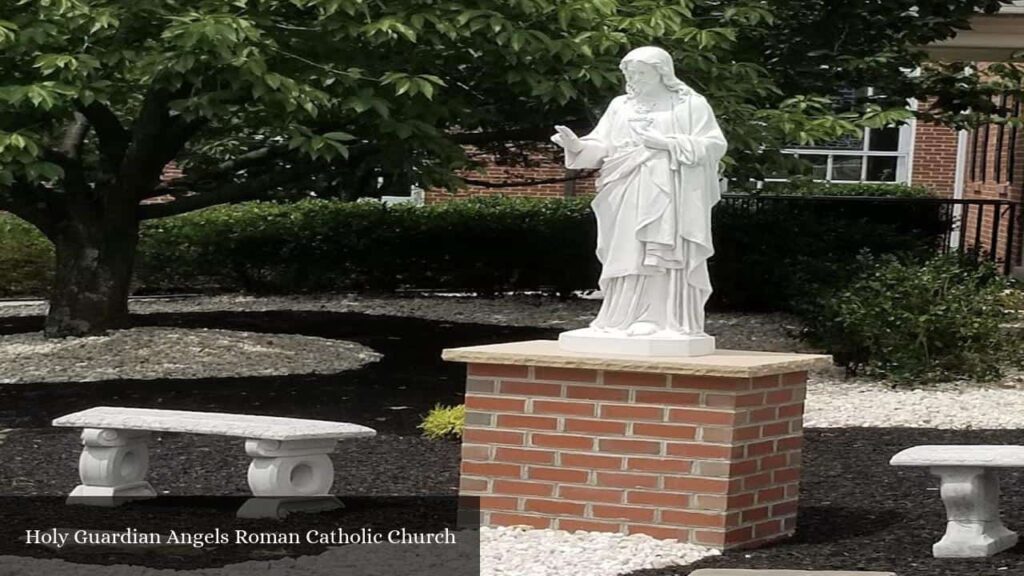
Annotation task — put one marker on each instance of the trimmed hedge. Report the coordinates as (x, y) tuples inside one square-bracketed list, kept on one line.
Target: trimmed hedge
[(812, 188), (770, 256)]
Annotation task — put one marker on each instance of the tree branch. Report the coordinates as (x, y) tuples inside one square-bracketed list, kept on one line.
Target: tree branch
[(516, 184), (74, 136), (255, 188), (113, 138)]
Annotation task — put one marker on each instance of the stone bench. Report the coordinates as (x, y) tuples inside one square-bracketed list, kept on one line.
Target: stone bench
[(969, 488), (290, 468)]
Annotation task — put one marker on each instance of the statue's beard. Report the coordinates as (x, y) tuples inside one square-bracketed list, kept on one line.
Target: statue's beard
[(639, 89)]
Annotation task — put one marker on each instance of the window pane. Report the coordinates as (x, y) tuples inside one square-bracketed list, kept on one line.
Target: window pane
[(884, 139), (882, 168), (819, 165), (847, 167)]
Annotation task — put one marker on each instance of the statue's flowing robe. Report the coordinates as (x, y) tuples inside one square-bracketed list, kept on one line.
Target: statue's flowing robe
[(653, 212)]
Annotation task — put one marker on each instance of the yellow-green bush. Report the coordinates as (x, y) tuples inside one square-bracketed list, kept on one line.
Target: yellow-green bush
[(444, 422)]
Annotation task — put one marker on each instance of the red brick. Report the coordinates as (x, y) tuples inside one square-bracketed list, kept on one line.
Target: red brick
[(779, 396), (593, 393), (636, 379), (587, 494), (794, 378), (660, 532), (747, 433), (707, 485), (739, 535), (523, 455), (791, 410), (672, 431), (693, 519), (701, 416), (758, 481), (743, 467), (675, 398), (709, 538), (777, 428), (555, 507), (557, 474), (716, 434), (703, 451), (668, 465), (748, 400), (766, 529), (498, 502), (657, 498), (618, 480), (761, 382), (569, 408), (499, 370), (736, 501), (517, 488), (529, 422), (628, 446), (710, 383), (531, 389), (629, 412), (488, 436), (786, 475), (623, 513), (785, 508), (755, 514), (763, 414), (506, 519), (595, 426), (491, 469), (790, 443), (591, 461), (495, 404), (562, 441), (564, 374), (774, 461), (573, 524)]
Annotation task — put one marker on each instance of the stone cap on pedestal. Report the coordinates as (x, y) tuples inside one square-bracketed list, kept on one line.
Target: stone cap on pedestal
[(724, 363)]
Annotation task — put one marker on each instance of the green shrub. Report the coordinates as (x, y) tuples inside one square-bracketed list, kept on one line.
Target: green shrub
[(934, 320), (444, 422), (876, 190), (26, 259), (770, 255)]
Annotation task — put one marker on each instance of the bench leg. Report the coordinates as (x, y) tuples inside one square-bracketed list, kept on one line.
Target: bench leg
[(289, 476), (112, 467), (973, 528)]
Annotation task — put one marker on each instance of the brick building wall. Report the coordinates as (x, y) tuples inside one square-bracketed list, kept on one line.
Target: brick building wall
[(994, 171), (934, 158)]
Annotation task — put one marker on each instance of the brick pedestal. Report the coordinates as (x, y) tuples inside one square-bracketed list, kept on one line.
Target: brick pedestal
[(705, 449)]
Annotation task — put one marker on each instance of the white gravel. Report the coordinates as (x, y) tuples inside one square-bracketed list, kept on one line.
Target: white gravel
[(148, 353), (521, 552)]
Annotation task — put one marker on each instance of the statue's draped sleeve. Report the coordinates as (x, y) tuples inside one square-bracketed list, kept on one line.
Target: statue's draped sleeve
[(597, 145), (705, 144)]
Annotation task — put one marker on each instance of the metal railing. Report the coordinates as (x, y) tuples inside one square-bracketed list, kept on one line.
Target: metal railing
[(986, 228)]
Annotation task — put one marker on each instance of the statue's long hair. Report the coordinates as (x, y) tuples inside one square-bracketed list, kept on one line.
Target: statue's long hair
[(662, 62)]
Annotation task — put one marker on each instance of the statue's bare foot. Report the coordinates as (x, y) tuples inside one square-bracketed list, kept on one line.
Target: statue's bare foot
[(642, 329)]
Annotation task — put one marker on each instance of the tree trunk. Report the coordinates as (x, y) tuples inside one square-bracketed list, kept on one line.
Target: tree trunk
[(95, 256)]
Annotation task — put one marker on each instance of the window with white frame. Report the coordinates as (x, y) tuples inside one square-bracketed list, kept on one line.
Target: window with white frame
[(877, 155)]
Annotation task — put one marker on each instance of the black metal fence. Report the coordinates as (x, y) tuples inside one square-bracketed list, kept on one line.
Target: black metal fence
[(985, 228)]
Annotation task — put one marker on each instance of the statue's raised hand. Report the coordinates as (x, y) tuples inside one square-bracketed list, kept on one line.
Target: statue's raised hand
[(567, 139)]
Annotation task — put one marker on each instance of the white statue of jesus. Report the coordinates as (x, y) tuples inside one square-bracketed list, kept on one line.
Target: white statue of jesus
[(658, 148)]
